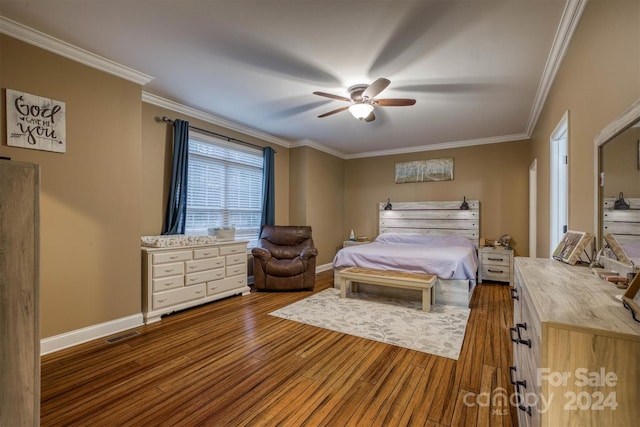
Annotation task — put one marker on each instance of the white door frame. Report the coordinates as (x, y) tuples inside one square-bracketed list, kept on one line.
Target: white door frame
[(533, 208), (559, 181)]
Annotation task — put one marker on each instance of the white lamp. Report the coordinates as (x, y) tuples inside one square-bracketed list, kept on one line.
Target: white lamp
[(361, 111)]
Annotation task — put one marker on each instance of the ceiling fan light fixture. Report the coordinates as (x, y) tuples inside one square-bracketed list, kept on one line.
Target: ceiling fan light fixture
[(361, 110)]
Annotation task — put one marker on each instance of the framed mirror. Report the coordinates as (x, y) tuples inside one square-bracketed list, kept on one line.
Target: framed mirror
[(617, 171)]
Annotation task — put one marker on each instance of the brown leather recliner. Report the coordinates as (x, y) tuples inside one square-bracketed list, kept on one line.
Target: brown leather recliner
[(285, 258)]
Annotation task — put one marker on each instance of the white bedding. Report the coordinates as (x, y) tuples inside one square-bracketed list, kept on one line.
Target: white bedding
[(448, 257)]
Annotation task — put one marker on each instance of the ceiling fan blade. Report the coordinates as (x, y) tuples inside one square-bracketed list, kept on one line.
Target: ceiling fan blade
[(371, 117), (333, 112), (394, 102), (375, 88), (332, 96)]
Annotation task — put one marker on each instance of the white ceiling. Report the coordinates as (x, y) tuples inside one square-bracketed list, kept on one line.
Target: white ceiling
[(479, 70)]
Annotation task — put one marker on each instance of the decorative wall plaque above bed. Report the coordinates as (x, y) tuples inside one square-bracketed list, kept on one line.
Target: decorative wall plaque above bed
[(425, 170)]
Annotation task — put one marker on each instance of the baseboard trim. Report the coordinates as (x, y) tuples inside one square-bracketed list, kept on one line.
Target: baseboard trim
[(79, 336), (324, 267)]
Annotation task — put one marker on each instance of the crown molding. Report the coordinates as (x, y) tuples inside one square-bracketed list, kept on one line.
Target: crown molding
[(210, 118), (441, 146), (568, 23), (319, 147), (36, 38)]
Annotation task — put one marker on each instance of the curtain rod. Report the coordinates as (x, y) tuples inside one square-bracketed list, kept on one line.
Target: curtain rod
[(228, 138)]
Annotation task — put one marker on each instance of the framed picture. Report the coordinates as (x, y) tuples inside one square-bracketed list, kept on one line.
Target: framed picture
[(424, 170), (638, 154), (616, 248), (571, 246)]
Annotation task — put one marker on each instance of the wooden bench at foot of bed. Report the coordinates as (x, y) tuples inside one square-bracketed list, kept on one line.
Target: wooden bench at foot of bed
[(447, 291), (397, 279)]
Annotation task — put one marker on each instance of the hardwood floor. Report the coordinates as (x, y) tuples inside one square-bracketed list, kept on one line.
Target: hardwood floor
[(230, 363)]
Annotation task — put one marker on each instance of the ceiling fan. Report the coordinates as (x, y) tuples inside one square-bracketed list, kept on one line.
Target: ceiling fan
[(362, 100)]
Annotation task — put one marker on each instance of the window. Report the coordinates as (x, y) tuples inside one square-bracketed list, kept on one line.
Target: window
[(224, 187)]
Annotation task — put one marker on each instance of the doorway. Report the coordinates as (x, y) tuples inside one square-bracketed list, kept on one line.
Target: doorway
[(533, 208), (559, 166)]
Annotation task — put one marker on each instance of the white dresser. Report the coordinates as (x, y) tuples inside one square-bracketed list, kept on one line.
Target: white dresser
[(495, 265), (181, 277), (576, 348)]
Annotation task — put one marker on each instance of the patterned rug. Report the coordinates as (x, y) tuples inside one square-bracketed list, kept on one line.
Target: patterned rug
[(382, 318)]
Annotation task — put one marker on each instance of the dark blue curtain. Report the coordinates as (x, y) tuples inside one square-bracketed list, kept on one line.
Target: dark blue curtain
[(176, 214), (268, 189)]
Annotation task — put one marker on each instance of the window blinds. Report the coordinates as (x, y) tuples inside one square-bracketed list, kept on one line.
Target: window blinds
[(224, 188)]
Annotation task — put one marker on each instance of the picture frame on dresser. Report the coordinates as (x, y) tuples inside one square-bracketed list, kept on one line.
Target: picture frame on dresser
[(617, 250), (571, 246)]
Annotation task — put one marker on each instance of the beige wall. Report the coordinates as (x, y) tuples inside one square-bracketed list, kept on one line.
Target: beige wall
[(157, 142), (90, 196), (598, 79), (496, 175), (317, 198)]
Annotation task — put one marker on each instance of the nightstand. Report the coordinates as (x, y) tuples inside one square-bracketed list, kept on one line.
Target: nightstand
[(354, 243), (495, 265)]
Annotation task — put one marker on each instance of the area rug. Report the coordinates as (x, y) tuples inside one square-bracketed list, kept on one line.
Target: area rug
[(382, 318)]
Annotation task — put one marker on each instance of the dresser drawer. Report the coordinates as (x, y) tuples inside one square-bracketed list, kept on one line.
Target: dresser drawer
[(203, 276), (236, 259), (166, 257), (226, 284), (205, 253), (204, 264), (165, 270), (496, 259), (177, 296), (230, 250), (167, 283), (234, 270), (496, 272)]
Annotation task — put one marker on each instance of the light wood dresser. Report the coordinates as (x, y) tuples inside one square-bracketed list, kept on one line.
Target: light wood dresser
[(576, 348), (19, 294), (181, 277), (495, 264)]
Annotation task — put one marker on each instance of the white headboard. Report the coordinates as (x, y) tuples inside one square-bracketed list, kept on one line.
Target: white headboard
[(624, 224), (431, 218)]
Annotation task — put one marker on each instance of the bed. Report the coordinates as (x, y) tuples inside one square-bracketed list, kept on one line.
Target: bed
[(621, 234), (436, 237)]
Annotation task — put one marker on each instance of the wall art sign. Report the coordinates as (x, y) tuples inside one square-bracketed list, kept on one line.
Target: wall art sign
[(425, 170), (36, 122)]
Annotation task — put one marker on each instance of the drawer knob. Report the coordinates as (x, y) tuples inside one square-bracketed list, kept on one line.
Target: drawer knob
[(512, 374), (495, 259), (526, 409), (514, 294), (173, 257), (518, 339), (495, 271)]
